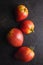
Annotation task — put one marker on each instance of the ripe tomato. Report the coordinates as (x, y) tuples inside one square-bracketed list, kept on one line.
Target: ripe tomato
[(21, 13), (27, 26), (25, 54), (15, 37)]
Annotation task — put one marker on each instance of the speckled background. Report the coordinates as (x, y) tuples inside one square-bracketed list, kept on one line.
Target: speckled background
[(7, 21)]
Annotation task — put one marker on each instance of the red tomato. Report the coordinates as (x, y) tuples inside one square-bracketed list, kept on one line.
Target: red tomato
[(21, 12), (25, 54), (27, 26), (15, 37)]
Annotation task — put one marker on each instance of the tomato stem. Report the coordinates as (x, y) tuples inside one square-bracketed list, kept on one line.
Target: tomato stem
[(32, 30), (31, 47)]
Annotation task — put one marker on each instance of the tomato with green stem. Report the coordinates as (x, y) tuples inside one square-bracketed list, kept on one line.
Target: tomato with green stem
[(27, 26)]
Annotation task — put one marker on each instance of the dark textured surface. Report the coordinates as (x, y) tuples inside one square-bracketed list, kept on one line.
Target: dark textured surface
[(35, 39)]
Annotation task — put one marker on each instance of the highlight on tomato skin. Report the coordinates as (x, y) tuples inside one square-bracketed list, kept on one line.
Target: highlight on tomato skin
[(27, 26), (21, 13), (15, 37), (25, 54)]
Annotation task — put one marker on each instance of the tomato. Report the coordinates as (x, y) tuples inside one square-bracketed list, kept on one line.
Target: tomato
[(25, 54), (21, 13), (15, 37), (27, 26)]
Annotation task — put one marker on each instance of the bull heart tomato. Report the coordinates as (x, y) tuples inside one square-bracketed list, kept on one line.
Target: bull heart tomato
[(21, 13), (25, 54), (27, 26), (15, 37)]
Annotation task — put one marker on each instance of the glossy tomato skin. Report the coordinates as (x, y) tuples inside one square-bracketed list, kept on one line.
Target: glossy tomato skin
[(20, 13), (15, 37), (27, 26), (25, 54)]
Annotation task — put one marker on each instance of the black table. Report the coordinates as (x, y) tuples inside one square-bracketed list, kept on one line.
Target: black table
[(7, 21)]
